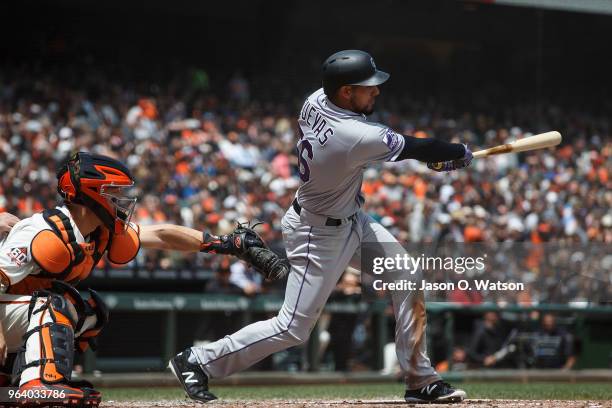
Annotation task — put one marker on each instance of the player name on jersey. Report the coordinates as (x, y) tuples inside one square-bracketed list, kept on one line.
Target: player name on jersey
[(314, 119)]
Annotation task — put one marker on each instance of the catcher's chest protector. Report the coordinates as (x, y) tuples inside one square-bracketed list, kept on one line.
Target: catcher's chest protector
[(60, 256)]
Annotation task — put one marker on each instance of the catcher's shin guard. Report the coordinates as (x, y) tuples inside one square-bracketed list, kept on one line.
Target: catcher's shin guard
[(49, 341), (46, 365)]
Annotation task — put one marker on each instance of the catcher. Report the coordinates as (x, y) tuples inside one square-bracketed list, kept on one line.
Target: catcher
[(43, 318)]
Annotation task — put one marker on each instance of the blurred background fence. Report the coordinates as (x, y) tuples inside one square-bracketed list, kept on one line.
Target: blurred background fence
[(152, 326)]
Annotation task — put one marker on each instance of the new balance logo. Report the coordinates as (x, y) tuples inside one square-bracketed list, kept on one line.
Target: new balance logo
[(189, 377), (428, 389)]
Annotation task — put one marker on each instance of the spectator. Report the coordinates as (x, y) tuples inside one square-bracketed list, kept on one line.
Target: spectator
[(342, 325), (211, 326), (487, 340), (239, 88), (221, 284), (459, 361), (553, 347), (245, 278)]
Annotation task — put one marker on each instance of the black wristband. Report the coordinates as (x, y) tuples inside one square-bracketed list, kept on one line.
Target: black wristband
[(430, 150)]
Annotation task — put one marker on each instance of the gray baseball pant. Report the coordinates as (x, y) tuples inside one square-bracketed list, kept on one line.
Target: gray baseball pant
[(319, 255)]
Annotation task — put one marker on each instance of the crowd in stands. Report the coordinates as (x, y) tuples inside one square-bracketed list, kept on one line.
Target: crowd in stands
[(206, 156)]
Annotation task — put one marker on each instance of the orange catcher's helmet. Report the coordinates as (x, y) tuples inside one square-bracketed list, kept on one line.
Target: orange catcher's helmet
[(98, 183)]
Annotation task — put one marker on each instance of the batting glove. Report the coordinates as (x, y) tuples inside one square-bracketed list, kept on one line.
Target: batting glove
[(456, 164)]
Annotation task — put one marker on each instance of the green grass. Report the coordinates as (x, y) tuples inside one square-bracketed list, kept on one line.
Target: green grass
[(559, 391)]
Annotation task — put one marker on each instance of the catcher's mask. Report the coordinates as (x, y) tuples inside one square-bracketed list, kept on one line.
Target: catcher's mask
[(98, 183)]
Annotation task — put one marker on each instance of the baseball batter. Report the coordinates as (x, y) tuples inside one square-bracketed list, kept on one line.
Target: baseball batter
[(324, 228)]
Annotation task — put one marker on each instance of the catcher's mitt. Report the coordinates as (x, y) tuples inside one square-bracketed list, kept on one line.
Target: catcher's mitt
[(266, 262), (247, 245), (235, 243)]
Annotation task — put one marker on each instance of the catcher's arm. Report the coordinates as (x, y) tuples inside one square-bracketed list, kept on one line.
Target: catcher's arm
[(243, 243), (170, 237)]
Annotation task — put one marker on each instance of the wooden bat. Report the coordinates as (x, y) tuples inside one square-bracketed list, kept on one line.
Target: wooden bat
[(534, 142)]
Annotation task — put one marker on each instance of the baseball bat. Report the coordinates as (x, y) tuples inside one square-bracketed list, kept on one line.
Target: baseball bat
[(534, 142)]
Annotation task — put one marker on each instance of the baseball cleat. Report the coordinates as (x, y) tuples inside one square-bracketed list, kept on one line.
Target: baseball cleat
[(191, 376), (39, 394), (438, 391), (86, 386)]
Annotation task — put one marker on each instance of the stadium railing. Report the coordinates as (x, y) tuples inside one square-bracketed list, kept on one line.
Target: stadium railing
[(591, 324)]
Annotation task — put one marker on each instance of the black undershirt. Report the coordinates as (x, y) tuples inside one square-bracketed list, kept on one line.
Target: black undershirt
[(430, 150)]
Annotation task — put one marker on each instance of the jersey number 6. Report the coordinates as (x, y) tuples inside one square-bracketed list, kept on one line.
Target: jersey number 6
[(304, 170)]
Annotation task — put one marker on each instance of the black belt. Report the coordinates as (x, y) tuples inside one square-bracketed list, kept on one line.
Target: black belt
[(330, 222)]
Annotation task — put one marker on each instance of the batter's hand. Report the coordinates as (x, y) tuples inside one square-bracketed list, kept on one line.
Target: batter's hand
[(453, 164), (7, 221)]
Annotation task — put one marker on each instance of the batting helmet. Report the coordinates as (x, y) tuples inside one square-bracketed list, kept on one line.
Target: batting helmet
[(350, 67), (95, 181)]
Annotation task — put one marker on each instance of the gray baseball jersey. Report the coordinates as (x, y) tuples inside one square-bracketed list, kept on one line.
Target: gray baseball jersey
[(335, 147)]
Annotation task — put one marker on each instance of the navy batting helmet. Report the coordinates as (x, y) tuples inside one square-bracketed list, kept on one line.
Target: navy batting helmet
[(350, 67)]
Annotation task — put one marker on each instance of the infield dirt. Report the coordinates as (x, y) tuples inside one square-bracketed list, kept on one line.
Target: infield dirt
[(475, 403)]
